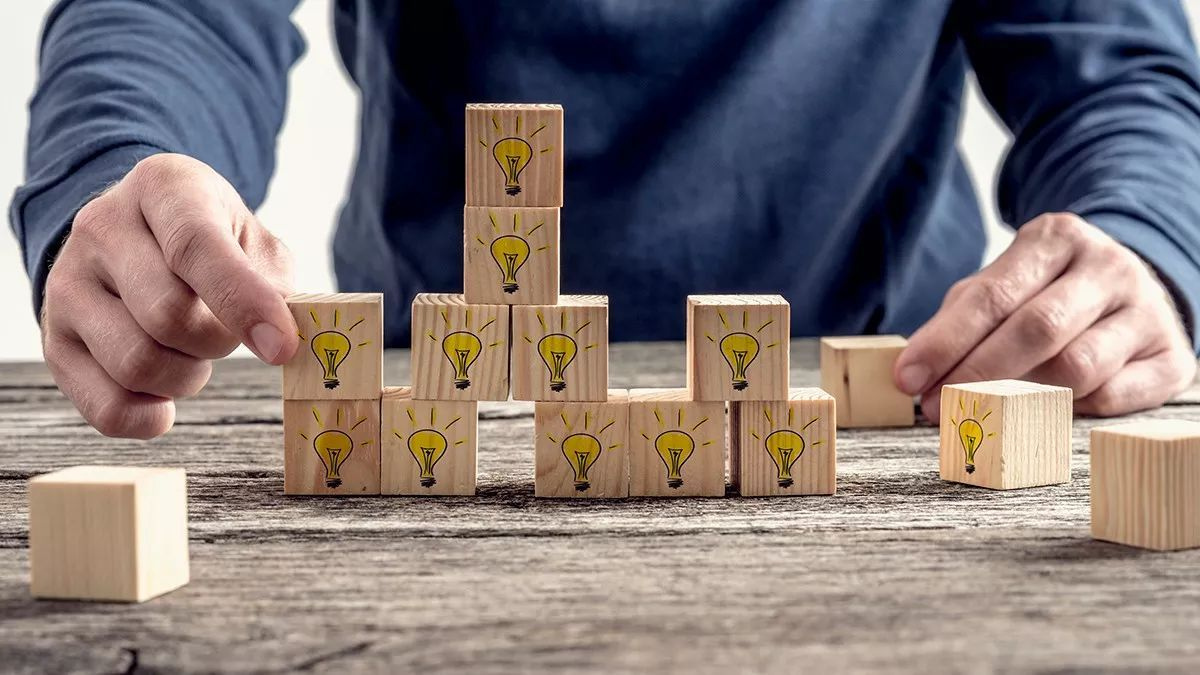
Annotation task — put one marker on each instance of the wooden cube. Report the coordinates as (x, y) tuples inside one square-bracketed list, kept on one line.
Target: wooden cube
[(459, 351), (510, 255), (514, 154), (560, 352), (428, 446), (857, 371), (785, 448), (738, 347), (1146, 484), (108, 533), (331, 447), (341, 347), (1006, 434), (676, 445), (582, 449)]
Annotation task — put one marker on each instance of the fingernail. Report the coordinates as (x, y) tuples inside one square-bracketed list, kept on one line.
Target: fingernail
[(913, 378), (266, 341)]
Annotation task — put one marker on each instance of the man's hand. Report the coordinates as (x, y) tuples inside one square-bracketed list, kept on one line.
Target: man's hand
[(1066, 305), (160, 274)]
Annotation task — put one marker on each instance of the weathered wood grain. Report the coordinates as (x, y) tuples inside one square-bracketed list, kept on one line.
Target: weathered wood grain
[(898, 571)]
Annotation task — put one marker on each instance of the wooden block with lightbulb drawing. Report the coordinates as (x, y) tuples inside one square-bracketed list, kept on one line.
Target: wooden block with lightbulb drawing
[(1005, 434), (560, 352), (341, 347), (331, 447), (428, 447), (459, 350), (676, 445), (514, 154), (1146, 484), (737, 347), (787, 447), (510, 255), (857, 371), (582, 449)]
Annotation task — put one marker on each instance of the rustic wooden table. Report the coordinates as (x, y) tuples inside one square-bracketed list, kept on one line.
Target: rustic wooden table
[(899, 571)]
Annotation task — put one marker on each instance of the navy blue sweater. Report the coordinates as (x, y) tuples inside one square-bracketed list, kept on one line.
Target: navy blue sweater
[(798, 146)]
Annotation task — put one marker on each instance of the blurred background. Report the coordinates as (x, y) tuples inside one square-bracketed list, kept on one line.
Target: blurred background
[(315, 151)]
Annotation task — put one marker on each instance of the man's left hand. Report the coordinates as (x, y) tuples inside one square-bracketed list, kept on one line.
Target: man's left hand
[(1066, 304)]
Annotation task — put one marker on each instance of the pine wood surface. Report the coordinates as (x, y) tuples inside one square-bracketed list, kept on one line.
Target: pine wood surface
[(898, 571)]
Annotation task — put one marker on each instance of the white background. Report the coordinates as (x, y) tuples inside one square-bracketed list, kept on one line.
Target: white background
[(316, 150)]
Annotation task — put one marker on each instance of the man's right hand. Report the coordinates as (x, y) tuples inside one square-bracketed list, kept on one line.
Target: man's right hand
[(160, 274)]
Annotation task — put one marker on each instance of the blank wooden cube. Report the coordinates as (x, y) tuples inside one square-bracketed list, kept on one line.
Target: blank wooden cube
[(582, 449), (785, 448), (1146, 484), (1006, 434), (331, 447), (108, 533), (459, 350), (560, 352), (738, 347), (514, 154), (510, 255), (429, 447), (341, 347), (857, 371), (676, 445)]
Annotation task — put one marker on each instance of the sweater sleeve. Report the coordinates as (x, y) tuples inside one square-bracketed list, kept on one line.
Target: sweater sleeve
[(119, 80), (1103, 100)]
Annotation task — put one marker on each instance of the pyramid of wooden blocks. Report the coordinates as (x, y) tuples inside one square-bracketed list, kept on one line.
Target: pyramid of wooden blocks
[(737, 347), (331, 392), (108, 533), (582, 449), (514, 154), (857, 371), (676, 445), (1146, 484), (510, 255), (459, 350), (560, 352), (1006, 434), (786, 447), (428, 446)]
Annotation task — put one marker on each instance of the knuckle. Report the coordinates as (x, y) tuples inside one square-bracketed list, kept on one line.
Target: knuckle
[(1077, 364), (1105, 402), (182, 246), (157, 170), (1059, 227), (996, 298), (1043, 322), (166, 316), (139, 365), (94, 221)]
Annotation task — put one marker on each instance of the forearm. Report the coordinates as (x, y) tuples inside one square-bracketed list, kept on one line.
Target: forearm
[(120, 80)]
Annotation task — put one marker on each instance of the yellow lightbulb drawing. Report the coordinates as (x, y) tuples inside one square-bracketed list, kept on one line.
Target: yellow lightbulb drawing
[(971, 432), (464, 346), (427, 445), (740, 348), (331, 347), (557, 352), (558, 349), (513, 155), (510, 253), (675, 445), (462, 349), (674, 448), (334, 446), (785, 446), (581, 450)]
